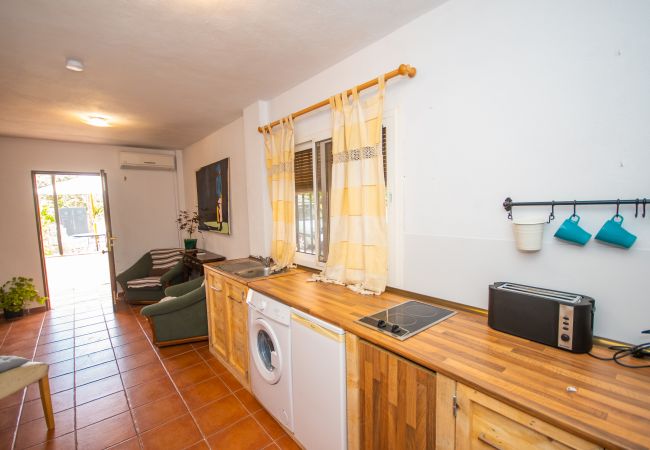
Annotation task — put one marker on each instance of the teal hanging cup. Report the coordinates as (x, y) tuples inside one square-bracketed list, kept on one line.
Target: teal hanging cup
[(612, 232), (570, 231)]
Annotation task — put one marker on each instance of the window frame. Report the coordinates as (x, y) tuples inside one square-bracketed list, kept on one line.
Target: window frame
[(303, 147), (305, 259)]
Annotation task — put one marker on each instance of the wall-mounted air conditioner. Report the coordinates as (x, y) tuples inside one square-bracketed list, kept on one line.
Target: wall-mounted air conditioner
[(152, 161)]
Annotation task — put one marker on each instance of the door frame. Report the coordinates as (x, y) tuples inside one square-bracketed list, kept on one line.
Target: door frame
[(109, 238), (39, 228)]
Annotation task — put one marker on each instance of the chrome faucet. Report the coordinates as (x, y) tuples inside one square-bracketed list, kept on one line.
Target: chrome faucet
[(265, 260)]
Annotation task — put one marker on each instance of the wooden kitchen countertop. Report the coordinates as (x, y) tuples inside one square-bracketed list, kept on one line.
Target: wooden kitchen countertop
[(610, 408)]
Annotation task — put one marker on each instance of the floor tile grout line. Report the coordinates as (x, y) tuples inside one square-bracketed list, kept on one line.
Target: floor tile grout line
[(172, 380), (74, 392), (137, 435), (24, 396), (251, 414), (202, 358), (240, 420), (235, 423), (74, 366), (4, 337), (74, 371), (257, 421)]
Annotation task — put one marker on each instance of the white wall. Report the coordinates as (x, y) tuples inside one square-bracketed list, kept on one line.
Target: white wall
[(143, 203), (258, 200), (227, 142), (528, 99)]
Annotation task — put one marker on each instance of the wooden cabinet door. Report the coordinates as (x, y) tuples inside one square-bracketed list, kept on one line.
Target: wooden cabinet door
[(238, 330), (397, 400), (483, 422), (217, 313)]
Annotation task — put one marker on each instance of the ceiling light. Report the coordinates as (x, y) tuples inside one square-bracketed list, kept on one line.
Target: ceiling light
[(96, 120), (74, 64)]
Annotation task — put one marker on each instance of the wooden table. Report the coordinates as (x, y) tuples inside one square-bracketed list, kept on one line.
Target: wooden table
[(194, 260)]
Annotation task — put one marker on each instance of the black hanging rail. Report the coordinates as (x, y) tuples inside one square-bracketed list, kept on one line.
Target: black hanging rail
[(508, 204)]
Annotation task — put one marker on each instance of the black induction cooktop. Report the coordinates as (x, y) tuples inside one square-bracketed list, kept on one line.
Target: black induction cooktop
[(407, 319)]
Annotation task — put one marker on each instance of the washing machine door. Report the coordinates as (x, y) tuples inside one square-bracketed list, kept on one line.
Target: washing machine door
[(266, 351)]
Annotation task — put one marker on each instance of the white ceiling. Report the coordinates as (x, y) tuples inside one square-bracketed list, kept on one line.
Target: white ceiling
[(170, 72)]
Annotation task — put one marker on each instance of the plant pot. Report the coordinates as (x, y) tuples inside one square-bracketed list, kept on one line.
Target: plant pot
[(190, 244), (529, 234), (13, 314)]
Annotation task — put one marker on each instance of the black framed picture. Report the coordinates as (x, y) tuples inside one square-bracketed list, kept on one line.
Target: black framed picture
[(213, 194)]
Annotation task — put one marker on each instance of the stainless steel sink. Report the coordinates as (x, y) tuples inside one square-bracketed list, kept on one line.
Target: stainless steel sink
[(241, 266), (254, 272), (250, 268)]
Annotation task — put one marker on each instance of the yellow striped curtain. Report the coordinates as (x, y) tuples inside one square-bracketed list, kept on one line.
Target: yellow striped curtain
[(358, 251), (280, 152)]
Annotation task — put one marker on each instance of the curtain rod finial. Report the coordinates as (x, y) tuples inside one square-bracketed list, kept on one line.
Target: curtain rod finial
[(406, 69)]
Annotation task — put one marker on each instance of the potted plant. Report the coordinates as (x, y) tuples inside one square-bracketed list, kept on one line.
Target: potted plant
[(188, 221), (14, 294)]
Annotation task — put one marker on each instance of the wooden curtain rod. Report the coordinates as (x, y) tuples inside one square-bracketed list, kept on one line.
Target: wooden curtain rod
[(403, 69)]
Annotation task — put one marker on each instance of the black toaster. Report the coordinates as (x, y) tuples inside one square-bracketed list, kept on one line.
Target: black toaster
[(555, 318)]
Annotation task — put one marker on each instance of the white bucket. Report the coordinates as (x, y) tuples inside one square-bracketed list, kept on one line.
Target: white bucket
[(528, 234)]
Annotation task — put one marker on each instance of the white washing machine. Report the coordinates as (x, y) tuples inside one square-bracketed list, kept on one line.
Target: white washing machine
[(270, 353)]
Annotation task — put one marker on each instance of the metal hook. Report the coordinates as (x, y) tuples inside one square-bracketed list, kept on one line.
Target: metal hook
[(636, 208), (618, 205), (507, 204), (574, 208), (552, 215), (643, 214)]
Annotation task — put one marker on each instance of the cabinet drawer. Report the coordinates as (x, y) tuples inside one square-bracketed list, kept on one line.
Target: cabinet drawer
[(236, 293), (485, 423), (213, 283)]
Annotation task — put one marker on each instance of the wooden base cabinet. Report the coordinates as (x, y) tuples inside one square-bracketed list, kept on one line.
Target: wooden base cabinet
[(396, 404), (397, 401), (237, 329), (217, 313), (482, 422), (228, 323)]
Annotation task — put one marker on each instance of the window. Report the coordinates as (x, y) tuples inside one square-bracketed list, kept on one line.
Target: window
[(313, 173), (312, 186)]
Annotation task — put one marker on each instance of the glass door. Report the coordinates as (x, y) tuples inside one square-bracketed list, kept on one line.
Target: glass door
[(266, 353), (72, 228)]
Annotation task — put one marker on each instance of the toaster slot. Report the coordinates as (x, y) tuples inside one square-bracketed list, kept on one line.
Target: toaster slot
[(542, 293)]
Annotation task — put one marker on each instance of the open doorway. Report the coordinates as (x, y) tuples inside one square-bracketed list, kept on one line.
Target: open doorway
[(72, 219)]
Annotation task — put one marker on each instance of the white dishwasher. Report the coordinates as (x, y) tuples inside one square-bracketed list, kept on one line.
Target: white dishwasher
[(318, 378)]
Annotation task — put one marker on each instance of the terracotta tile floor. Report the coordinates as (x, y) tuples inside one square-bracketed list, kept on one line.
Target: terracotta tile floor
[(111, 388)]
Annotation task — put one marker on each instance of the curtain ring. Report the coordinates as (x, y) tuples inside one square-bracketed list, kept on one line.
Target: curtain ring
[(552, 215)]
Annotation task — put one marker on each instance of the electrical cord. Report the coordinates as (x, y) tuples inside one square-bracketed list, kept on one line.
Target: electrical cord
[(621, 351)]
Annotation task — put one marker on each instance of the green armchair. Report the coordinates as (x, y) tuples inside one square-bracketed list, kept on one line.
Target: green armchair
[(140, 285), (182, 319)]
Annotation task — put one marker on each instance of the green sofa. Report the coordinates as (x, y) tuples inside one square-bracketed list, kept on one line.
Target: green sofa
[(141, 269), (180, 320)]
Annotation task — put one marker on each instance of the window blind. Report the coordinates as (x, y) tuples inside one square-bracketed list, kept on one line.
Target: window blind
[(303, 171)]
